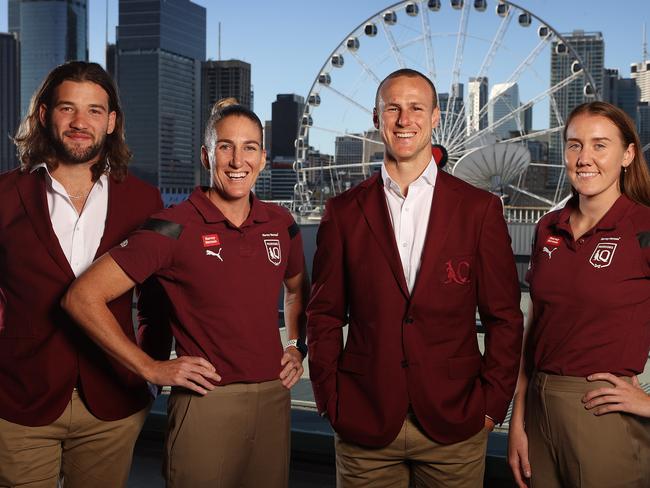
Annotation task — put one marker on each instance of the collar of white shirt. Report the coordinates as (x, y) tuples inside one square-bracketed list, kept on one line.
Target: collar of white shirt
[(428, 177), (58, 187)]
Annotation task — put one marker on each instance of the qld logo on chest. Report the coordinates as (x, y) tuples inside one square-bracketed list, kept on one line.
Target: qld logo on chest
[(273, 248), (604, 253)]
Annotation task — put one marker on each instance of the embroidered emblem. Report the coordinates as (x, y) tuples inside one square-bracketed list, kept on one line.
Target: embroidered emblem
[(273, 251), (215, 254), (459, 274), (210, 240), (603, 254), (124, 243), (549, 251)]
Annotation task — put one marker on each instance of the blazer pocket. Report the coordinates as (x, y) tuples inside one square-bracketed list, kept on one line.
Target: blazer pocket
[(353, 363), (464, 367)]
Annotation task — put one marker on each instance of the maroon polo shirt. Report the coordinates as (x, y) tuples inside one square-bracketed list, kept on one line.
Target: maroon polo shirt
[(223, 281), (591, 296)]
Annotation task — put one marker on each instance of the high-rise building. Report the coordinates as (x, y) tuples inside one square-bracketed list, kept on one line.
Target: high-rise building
[(452, 115), (285, 113), (590, 46), (160, 47), (9, 100), (504, 99), (477, 98), (643, 126), (50, 32), (111, 60), (622, 92), (223, 79), (640, 72)]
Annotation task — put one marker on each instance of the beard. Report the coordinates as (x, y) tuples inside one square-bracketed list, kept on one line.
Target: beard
[(73, 154)]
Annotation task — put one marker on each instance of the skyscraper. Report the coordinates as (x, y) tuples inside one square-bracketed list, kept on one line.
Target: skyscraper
[(477, 98), (9, 100), (160, 46), (285, 117), (50, 32), (622, 92), (504, 99), (640, 73), (590, 46)]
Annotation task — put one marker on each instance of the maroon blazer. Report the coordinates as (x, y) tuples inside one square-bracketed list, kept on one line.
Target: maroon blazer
[(43, 355), (416, 349)]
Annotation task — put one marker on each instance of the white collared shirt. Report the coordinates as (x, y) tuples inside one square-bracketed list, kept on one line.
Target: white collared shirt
[(410, 217), (78, 235)]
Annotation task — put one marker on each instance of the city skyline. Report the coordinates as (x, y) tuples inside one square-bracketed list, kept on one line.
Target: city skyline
[(287, 46)]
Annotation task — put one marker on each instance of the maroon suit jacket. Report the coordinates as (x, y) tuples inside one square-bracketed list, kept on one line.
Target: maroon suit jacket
[(43, 355), (416, 349)]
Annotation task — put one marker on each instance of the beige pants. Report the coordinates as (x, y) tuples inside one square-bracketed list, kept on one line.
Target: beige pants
[(412, 459), (78, 448), (235, 436), (571, 447)]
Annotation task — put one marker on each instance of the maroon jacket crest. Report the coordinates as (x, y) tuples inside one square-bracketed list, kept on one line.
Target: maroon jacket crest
[(43, 355), (416, 349)]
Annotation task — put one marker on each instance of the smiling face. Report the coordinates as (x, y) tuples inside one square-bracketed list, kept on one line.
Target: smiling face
[(78, 121), (236, 159), (595, 155), (405, 116)]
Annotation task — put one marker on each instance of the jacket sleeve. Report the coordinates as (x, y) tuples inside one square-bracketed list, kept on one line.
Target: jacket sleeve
[(326, 313), (499, 308)]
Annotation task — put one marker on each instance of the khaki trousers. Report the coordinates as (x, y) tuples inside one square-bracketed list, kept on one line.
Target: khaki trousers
[(77, 449), (412, 459), (571, 447), (235, 436)]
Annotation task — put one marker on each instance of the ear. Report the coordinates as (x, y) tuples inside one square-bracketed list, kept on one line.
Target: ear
[(205, 160), (435, 117), (375, 118), (42, 114), (628, 155), (263, 160), (111, 122)]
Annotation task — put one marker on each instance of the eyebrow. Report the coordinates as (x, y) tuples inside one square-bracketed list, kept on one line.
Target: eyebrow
[(252, 141), (93, 105), (592, 139)]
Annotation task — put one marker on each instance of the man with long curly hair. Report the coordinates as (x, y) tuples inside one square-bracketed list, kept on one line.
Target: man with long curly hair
[(66, 409)]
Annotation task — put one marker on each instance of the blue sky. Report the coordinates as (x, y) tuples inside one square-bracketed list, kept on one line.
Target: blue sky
[(287, 41)]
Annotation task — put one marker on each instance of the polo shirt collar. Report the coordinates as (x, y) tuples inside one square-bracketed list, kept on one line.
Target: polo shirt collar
[(608, 222), (211, 213)]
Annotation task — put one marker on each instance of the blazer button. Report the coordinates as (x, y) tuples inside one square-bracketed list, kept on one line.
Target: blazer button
[(408, 320)]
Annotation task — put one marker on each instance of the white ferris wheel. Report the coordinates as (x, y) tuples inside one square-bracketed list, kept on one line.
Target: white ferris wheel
[(497, 90)]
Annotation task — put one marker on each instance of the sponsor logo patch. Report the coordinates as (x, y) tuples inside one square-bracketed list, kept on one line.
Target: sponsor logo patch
[(603, 254), (553, 241), (210, 240), (549, 251), (273, 251)]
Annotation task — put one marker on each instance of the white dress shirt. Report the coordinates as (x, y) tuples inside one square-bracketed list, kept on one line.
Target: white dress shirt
[(410, 217), (79, 234)]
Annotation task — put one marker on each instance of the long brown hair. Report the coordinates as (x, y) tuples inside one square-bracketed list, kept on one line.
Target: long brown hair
[(34, 141), (635, 179)]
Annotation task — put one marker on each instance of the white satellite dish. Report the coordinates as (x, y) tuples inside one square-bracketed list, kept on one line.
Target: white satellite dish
[(493, 166)]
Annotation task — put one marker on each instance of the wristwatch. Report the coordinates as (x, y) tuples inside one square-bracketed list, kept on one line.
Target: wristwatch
[(298, 344)]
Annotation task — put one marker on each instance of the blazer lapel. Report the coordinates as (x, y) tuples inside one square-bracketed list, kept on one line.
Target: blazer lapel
[(375, 210), (444, 206), (31, 189)]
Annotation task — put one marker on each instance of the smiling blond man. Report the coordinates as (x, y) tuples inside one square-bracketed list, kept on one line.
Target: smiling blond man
[(406, 258)]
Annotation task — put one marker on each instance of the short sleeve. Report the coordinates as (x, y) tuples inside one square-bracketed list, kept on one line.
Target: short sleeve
[(149, 250), (296, 261)]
